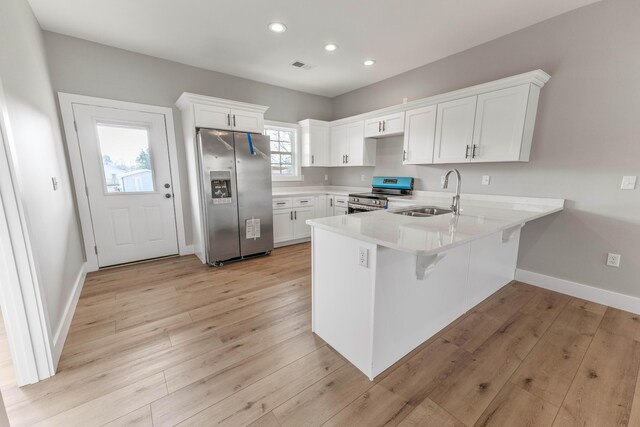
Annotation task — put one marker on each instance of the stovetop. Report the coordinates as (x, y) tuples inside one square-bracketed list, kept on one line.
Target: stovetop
[(379, 196)]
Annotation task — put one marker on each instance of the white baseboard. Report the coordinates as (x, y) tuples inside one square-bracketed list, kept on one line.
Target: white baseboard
[(291, 242), (63, 328), (579, 290)]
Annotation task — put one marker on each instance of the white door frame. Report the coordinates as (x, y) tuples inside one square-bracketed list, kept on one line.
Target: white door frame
[(22, 300), (73, 145)]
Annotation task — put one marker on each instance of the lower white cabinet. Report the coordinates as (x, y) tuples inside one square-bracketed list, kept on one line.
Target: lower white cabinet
[(300, 217), (282, 225), (340, 211)]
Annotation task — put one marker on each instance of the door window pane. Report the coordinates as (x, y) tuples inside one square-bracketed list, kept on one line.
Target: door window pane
[(126, 159)]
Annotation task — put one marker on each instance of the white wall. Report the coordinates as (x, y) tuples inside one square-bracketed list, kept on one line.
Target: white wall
[(51, 216), (587, 137)]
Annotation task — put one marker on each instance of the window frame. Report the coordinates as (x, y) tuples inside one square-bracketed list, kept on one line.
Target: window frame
[(295, 149)]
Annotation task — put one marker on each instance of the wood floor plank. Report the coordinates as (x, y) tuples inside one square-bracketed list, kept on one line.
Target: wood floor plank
[(376, 407), (139, 418), (621, 323), (263, 396), (188, 401), (267, 420), (324, 399), (602, 392), (515, 407), (550, 367), (111, 406), (429, 414), (473, 330)]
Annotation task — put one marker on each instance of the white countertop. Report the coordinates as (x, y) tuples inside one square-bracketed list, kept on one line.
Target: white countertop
[(317, 190), (481, 216)]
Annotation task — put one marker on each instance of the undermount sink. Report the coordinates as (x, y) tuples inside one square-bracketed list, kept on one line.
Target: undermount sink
[(422, 211)]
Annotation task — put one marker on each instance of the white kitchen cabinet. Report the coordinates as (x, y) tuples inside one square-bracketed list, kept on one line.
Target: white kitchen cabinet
[(300, 216), (315, 146), (282, 225), (419, 135), (340, 203), (388, 125), (454, 130), (216, 117), (321, 206), (349, 147), (504, 124), (340, 211)]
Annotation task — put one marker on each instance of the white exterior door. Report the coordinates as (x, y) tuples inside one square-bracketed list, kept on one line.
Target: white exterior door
[(128, 181)]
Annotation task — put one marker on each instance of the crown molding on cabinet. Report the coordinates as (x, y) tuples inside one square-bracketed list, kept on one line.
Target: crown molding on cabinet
[(187, 99), (536, 77)]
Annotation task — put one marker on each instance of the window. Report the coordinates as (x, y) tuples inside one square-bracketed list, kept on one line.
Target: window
[(125, 158), (285, 164)]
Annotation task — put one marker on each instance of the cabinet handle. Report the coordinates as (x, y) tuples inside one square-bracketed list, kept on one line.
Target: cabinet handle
[(379, 127), (404, 155), (466, 153), (291, 215), (384, 125), (295, 215), (280, 203), (347, 157), (234, 120), (228, 119), (473, 151), (312, 159), (330, 203)]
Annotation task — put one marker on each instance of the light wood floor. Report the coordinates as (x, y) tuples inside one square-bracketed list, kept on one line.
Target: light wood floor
[(174, 342)]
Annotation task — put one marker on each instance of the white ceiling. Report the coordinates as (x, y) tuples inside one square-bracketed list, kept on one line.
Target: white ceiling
[(231, 36)]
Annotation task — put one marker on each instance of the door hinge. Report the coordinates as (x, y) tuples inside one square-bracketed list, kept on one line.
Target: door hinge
[(75, 125), (96, 249)]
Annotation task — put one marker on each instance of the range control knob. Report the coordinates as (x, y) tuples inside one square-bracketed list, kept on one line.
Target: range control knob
[(355, 199)]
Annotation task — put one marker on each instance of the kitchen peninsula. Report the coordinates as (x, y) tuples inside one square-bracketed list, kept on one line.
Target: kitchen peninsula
[(385, 282)]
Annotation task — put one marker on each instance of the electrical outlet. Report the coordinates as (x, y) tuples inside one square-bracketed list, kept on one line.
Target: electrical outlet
[(363, 257), (404, 100), (326, 177), (628, 183), (54, 182), (613, 260), (442, 178), (362, 177), (486, 179)]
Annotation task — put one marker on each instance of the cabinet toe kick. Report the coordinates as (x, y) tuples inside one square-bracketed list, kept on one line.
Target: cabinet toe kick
[(426, 264)]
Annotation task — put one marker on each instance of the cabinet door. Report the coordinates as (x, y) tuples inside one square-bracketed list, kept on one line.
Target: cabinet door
[(338, 145), (300, 228), (340, 211), (373, 128), (247, 121), (330, 206), (499, 127), (355, 144), (282, 225), (419, 135), (454, 130), (320, 150), (208, 116), (393, 124), (321, 207)]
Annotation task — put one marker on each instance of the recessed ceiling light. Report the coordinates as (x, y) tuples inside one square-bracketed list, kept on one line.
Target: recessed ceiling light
[(277, 27), (369, 62), (330, 47)]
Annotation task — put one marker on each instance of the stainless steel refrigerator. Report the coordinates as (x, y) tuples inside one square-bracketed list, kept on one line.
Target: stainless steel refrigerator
[(235, 185)]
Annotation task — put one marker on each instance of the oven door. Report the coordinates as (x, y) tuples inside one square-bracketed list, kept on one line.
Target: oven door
[(357, 208)]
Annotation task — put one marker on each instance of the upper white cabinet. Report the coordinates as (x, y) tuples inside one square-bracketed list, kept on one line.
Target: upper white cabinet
[(349, 147), (504, 124), (315, 144), (419, 135), (217, 113), (388, 125), (454, 130)]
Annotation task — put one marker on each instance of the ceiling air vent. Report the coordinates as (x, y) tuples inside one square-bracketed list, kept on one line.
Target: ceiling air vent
[(302, 65)]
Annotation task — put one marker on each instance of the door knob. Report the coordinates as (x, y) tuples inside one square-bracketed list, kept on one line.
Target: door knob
[(168, 196)]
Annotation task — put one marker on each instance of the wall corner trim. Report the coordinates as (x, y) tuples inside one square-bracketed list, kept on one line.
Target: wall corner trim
[(63, 328), (580, 290)]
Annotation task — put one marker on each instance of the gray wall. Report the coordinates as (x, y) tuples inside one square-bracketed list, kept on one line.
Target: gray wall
[(587, 137), (52, 221), (86, 68)]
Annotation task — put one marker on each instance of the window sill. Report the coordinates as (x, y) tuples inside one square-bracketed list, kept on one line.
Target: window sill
[(280, 178)]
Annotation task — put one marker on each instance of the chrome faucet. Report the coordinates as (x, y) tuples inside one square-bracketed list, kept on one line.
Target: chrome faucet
[(455, 205)]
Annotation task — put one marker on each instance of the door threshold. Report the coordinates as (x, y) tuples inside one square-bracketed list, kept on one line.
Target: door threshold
[(142, 261)]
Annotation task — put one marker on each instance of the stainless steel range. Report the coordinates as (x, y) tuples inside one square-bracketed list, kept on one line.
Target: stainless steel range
[(382, 187)]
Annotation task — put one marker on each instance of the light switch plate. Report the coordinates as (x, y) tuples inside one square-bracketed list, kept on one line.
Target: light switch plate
[(486, 179), (442, 178), (628, 183), (54, 182), (326, 177), (362, 177)]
